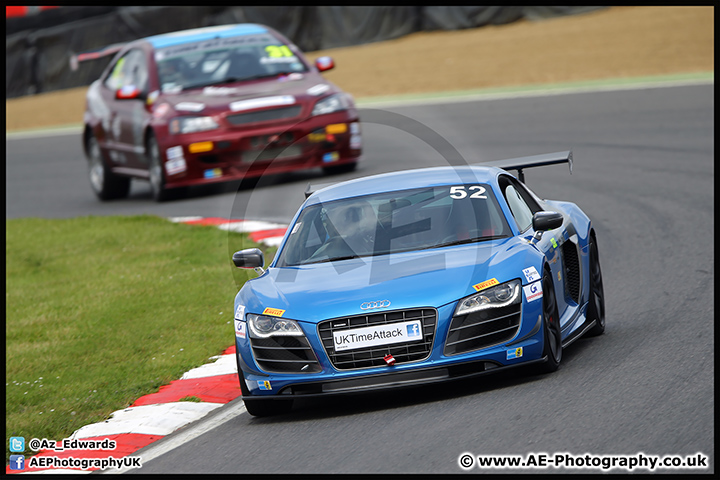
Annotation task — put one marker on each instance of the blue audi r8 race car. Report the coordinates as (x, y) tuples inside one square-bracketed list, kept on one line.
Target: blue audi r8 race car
[(416, 277)]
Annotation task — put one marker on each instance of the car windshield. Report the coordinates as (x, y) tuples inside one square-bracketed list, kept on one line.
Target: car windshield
[(392, 222), (224, 60)]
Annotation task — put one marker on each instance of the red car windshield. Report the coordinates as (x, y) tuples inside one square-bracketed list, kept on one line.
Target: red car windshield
[(218, 61)]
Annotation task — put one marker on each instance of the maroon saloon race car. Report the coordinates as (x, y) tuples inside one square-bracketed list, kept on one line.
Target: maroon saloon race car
[(212, 105)]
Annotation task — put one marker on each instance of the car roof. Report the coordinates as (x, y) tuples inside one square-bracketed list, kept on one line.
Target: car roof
[(406, 180), (206, 33)]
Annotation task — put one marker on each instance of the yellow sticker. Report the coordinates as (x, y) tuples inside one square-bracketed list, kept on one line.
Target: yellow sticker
[(336, 128), (316, 137), (486, 284), (200, 147), (275, 312)]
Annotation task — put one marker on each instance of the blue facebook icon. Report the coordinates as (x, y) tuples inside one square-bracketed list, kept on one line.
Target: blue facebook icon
[(413, 330), (17, 462)]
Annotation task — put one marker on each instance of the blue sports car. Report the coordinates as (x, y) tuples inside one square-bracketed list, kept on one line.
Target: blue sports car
[(416, 277)]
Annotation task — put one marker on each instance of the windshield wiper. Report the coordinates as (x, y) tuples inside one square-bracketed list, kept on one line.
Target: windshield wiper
[(462, 242)]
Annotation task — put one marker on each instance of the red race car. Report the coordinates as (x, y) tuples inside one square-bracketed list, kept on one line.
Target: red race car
[(212, 105)]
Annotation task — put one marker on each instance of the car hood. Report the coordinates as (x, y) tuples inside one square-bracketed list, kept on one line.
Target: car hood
[(303, 88), (429, 278)]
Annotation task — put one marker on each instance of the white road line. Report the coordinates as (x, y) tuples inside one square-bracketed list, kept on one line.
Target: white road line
[(187, 434)]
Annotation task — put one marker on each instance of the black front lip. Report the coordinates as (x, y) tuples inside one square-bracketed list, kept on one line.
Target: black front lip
[(378, 382)]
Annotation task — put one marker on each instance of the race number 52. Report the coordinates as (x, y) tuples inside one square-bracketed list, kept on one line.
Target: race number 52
[(459, 192)]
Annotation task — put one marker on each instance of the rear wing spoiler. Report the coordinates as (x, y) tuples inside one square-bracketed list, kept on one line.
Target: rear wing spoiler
[(522, 163), (518, 164), (94, 54), (312, 188)]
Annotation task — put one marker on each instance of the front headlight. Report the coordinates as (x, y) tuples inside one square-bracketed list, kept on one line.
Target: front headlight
[(263, 326), (192, 124), (499, 296), (333, 103)]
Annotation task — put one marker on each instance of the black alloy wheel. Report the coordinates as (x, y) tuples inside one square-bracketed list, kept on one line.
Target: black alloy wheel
[(104, 183)]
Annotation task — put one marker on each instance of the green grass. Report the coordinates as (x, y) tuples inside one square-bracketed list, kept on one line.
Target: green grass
[(103, 310)]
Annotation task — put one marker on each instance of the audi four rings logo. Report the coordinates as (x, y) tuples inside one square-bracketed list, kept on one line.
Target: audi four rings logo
[(376, 304)]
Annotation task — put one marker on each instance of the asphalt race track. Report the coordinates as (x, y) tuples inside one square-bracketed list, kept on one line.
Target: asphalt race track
[(644, 174)]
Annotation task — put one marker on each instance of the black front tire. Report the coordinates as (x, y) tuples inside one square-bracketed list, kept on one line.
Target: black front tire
[(596, 304), (104, 183), (156, 170), (552, 340), (258, 407)]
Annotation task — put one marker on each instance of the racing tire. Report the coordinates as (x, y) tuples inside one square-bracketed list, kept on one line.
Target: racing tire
[(156, 171), (338, 169), (596, 303), (260, 407), (552, 340), (104, 183)]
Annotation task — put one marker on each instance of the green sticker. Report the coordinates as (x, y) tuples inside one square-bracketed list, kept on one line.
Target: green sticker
[(554, 243)]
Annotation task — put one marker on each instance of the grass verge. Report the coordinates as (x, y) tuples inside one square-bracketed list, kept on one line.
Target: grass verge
[(103, 310)]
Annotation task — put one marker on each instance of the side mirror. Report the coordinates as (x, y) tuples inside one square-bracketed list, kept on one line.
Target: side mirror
[(249, 258), (128, 92), (324, 63), (544, 221)]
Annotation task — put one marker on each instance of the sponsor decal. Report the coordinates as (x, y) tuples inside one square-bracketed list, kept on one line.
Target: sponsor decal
[(190, 106), (239, 328), (559, 277), (355, 141), (514, 353), (200, 147), (213, 173), (318, 89), (262, 102), (174, 152), (240, 312), (220, 91), (486, 284), (264, 384), (275, 312), (533, 291), (335, 128), (377, 335), (389, 359), (176, 161), (330, 157), (531, 274), (554, 243), (316, 137)]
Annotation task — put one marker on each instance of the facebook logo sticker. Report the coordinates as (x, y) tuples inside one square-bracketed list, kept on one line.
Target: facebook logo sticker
[(17, 444), (17, 462), (413, 330)]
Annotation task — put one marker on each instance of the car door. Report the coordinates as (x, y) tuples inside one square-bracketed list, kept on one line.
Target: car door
[(523, 207), (124, 127)]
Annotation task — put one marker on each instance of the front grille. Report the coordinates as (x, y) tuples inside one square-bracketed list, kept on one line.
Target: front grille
[(264, 115), (251, 156), (482, 329), (284, 355), (572, 270), (373, 356)]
